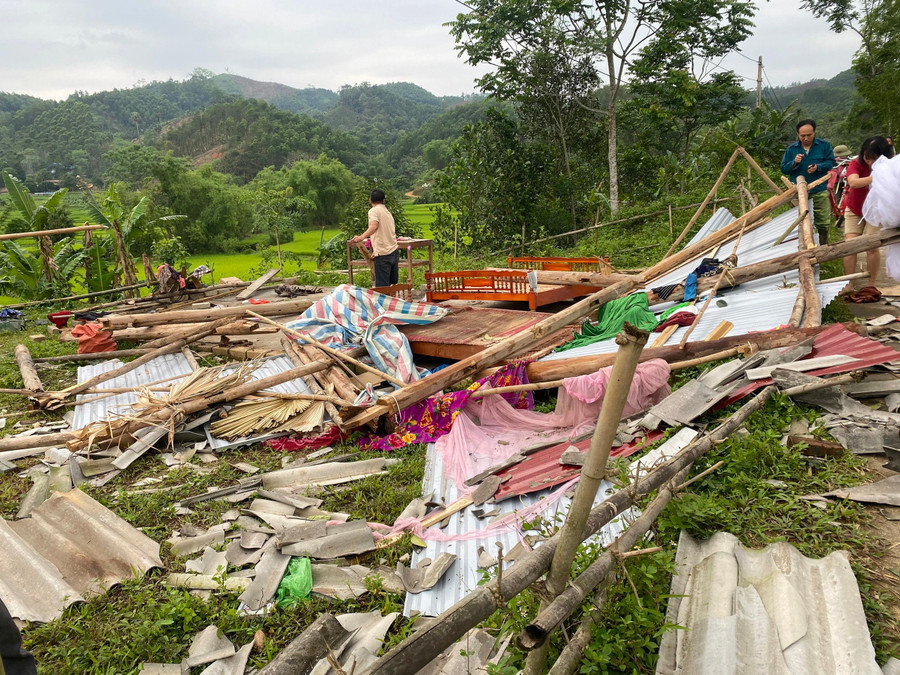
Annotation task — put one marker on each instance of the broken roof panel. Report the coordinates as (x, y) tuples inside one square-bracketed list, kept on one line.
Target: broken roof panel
[(771, 610), (464, 542), (169, 367), (835, 340), (71, 546)]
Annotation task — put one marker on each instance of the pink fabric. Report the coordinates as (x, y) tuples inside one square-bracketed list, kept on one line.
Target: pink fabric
[(473, 442)]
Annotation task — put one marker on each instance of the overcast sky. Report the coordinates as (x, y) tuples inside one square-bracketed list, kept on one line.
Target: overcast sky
[(51, 48)]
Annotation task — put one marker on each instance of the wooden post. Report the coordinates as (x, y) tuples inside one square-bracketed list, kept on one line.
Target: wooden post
[(812, 315), (671, 222), (26, 368), (46, 233), (699, 211), (631, 341)]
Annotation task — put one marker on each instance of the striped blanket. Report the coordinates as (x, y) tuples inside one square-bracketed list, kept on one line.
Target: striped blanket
[(351, 315)]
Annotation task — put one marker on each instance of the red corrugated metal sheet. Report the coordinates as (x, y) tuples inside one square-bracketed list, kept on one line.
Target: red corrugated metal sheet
[(542, 470), (832, 341)]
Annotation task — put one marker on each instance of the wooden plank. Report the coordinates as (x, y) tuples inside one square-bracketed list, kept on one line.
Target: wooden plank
[(665, 335), (256, 285), (719, 331)]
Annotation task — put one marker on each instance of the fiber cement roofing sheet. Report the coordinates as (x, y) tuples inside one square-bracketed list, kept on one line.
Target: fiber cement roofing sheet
[(70, 547), (270, 366), (161, 368), (834, 340), (763, 611), (464, 574), (749, 310)]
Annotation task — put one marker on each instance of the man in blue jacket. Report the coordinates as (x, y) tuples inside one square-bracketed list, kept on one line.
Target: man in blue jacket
[(812, 158)]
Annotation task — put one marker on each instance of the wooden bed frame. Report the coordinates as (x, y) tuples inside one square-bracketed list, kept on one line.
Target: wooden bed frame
[(498, 285), (560, 264)]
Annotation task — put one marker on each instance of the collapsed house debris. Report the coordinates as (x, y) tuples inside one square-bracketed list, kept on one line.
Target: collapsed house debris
[(508, 493)]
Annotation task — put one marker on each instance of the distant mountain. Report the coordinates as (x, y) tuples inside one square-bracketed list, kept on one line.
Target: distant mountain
[(825, 100), (311, 101)]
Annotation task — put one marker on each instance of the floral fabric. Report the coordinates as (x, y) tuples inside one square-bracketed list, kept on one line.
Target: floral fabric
[(432, 418)]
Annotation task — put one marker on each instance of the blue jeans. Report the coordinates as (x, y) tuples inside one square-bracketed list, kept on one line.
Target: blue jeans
[(387, 269)]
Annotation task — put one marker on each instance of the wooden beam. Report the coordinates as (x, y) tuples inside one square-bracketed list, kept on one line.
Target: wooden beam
[(812, 314), (756, 167), (117, 321), (421, 389), (544, 371), (256, 285), (26, 368)]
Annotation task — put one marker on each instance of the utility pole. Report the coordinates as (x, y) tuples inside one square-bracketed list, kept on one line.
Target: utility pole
[(759, 83)]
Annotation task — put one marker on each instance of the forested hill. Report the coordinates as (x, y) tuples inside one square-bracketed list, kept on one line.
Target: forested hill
[(245, 123), (395, 131)]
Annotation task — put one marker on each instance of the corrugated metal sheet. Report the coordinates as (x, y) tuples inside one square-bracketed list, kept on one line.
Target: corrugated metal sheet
[(749, 309), (542, 470), (270, 366), (763, 611), (832, 341), (160, 368), (70, 547), (464, 575)]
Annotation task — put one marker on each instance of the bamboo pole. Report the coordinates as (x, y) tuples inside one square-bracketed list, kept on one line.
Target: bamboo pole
[(631, 341), (594, 227), (82, 296), (48, 233), (709, 196), (26, 367), (571, 656), (544, 371), (812, 315), (549, 618), (98, 356), (797, 221), (752, 162), (328, 350), (282, 308), (310, 380), (415, 392), (332, 375)]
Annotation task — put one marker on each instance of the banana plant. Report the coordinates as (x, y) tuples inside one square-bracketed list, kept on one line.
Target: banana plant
[(123, 225), (37, 217), (21, 269)]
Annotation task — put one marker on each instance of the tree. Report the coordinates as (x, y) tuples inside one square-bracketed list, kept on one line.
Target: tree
[(877, 63), (597, 38)]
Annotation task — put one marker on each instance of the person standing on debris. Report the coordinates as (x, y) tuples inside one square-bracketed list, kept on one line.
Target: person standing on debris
[(859, 178), (811, 158), (384, 241)]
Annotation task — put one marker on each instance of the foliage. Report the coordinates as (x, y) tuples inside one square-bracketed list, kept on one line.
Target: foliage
[(325, 185), (878, 67), (22, 270), (496, 183), (171, 251), (548, 57), (246, 136)]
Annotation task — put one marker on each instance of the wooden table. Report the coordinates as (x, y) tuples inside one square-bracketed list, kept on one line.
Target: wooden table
[(406, 248)]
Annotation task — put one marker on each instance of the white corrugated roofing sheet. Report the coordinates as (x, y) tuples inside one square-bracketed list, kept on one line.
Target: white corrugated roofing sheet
[(71, 546), (267, 367), (773, 610), (749, 309), (169, 367), (464, 574), (758, 305)]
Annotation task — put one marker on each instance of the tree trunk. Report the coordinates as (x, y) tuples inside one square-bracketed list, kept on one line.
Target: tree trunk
[(612, 146)]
